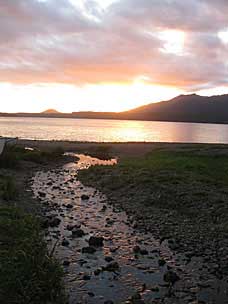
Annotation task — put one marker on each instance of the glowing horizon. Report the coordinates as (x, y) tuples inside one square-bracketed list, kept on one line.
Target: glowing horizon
[(109, 55)]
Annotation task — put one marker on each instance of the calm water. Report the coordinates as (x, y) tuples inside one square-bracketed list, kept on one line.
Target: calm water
[(112, 130)]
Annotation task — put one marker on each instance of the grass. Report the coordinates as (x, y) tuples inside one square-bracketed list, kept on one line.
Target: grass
[(13, 155), (27, 273), (8, 190), (182, 193)]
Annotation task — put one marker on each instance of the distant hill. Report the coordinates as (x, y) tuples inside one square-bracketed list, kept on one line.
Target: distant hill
[(50, 111), (183, 108)]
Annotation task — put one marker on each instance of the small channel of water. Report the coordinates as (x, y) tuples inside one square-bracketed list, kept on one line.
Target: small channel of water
[(87, 277)]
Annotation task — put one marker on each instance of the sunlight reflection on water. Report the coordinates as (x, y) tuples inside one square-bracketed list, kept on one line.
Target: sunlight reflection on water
[(94, 130)]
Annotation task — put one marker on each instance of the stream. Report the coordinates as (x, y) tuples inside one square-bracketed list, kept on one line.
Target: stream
[(105, 259)]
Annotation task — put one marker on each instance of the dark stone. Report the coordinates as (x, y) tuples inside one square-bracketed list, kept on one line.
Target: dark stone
[(108, 259), (161, 262), (143, 252), (78, 232), (41, 194), (54, 222), (69, 206), (84, 197), (108, 302), (66, 263), (91, 294), (65, 243), (96, 241), (88, 249), (86, 277), (136, 249), (171, 277), (97, 272), (114, 266)]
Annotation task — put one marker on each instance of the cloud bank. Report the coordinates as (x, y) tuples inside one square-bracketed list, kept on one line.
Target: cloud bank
[(84, 42)]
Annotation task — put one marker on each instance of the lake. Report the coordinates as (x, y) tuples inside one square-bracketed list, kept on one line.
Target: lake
[(95, 130)]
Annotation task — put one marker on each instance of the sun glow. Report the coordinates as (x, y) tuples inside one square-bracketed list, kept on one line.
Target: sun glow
[(69, 98), (173, 41)]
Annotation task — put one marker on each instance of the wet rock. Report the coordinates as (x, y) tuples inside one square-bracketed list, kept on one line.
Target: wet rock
[(113, 249), (103, 209), (54, 222), (143, 252), (65, 242), (108, 259), (88, 249), (78, 232), (71, 227), (114, 266), (136, 249), (69, 206), (161, 262), (84, 197), (66, 263), (86, 277), (41, 194), (96, 241), (171, 277), (97, 272)]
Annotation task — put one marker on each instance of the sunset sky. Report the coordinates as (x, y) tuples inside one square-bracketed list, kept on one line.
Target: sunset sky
[(109, 55)]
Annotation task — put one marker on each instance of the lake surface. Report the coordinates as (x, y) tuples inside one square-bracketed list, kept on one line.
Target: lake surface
[(95, 130)]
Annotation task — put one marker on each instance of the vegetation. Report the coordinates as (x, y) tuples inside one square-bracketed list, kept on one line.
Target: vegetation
[(12, 156), (181, 193), (27, 273)]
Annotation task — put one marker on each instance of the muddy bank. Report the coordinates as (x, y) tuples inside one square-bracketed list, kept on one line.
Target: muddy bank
[(106, 258)]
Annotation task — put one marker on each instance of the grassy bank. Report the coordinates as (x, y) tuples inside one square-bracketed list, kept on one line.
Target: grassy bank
[(28, 274), (179, 194)]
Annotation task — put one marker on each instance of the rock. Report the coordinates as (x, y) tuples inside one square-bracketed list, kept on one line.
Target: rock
[(66, 263), (84, 197), (86, 277), (88, 249), (69, 206), (96, 241), (108, 259), (71, 227), (171, 277), (113, 249), (103, 209), (161, 262), (143, 252), (108, 302), (54, 222), (114, 266), (91, 294), (41, 194), (97, 272), (78, 232), (136, 249), (65, 242)]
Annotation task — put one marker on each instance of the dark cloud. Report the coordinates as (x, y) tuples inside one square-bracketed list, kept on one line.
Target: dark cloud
[(56, 41)]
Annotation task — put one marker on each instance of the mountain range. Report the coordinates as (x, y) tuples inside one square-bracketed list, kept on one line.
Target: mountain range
[(183, 108)]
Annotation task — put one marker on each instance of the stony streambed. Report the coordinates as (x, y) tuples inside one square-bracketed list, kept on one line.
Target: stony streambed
[(105, 259)]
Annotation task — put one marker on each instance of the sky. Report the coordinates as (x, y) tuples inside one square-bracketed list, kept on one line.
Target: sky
[(109, 55)]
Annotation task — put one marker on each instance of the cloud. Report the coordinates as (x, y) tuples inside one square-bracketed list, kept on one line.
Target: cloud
[(60, 41)]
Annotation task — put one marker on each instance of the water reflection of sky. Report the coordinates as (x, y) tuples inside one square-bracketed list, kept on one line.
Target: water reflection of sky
[(112, 130)]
